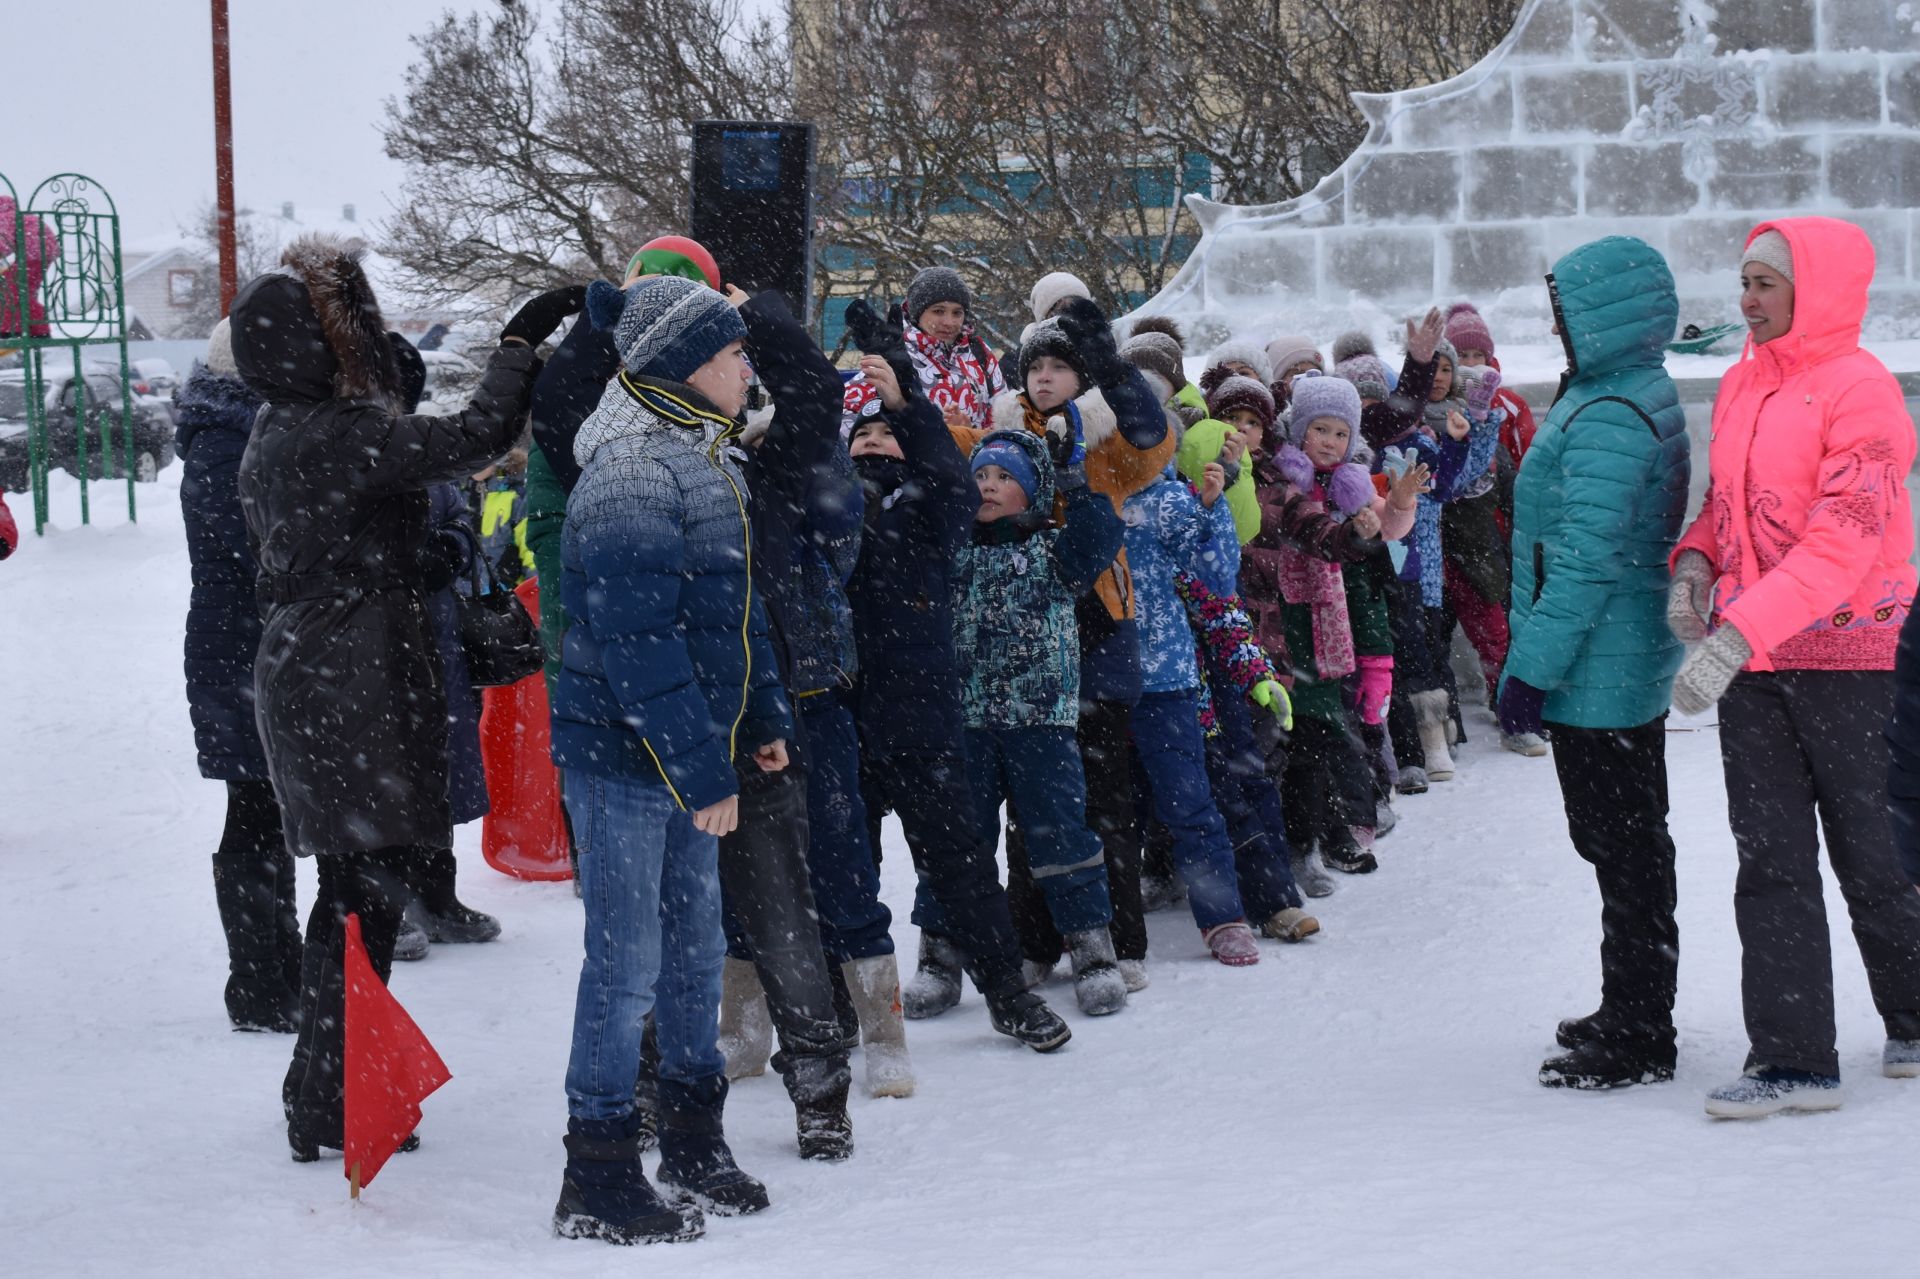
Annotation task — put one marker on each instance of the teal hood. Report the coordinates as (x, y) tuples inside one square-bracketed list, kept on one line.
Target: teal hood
[(1616, 306)]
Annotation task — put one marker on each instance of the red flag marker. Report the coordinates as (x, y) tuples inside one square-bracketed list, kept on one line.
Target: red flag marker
[(390, 1068)]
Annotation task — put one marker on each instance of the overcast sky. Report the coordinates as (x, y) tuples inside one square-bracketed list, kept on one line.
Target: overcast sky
[(121, 90)]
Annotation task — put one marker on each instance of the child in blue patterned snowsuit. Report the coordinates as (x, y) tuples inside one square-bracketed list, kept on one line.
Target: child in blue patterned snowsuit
[(1017, 644), (1170, 532)]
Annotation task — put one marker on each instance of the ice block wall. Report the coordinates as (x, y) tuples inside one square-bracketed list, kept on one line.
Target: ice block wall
[(1679, 121)]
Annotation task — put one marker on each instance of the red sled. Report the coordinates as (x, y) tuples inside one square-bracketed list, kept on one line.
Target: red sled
[(524, 834)]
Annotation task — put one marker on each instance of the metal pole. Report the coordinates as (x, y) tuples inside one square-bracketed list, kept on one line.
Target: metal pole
[(223, 156)]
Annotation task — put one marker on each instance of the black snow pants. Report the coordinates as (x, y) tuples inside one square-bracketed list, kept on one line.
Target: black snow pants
[(1801, 745), (1613, 782), (931, 796)]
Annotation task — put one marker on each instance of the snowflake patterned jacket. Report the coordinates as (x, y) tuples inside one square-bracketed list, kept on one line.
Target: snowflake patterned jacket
[(1806, 517)]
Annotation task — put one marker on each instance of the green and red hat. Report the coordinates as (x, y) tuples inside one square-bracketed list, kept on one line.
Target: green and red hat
[(676, 255)]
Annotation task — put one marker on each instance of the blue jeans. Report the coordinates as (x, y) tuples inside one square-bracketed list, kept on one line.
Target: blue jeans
[(650, 883), (1172, 752), (854, 922), (1037, 771)]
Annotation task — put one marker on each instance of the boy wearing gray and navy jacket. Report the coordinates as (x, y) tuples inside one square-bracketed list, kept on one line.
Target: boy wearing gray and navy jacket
[(1014, 587)]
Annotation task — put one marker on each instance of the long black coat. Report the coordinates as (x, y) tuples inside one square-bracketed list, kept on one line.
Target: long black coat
[(918, 513), (352, 710), (214, 414)]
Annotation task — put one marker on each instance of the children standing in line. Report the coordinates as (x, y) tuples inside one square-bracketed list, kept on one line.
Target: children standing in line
[(1014, 588), (920, 504)]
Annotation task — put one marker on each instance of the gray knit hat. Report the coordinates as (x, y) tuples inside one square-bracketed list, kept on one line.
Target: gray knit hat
[(1251, 354), (664, 326), (1770, 249), (1157, 353), (936, 284), (1367, 372)]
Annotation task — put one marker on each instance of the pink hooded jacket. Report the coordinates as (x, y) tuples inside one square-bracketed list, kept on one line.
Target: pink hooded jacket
[(1806, 518)]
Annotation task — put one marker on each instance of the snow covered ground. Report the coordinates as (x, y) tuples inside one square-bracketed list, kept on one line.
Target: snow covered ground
[(1364, 1104)]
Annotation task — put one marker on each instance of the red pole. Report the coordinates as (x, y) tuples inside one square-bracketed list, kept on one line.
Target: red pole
[(223, 157)]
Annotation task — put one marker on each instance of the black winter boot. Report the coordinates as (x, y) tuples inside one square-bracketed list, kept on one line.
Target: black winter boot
[(605, 1195), (1610, 1063), (1575, 1031), (1024, 1016), (1341, 852), (254, 892), (826, 1133), (695, 1163)]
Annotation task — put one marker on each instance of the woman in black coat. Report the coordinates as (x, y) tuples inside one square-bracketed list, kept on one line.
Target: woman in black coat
[(253, 880), (351, 707)]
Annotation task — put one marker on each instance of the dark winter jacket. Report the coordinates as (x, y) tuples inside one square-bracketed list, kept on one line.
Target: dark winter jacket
[(455, 558), (1014, 587), (546, 520), (666, 674), (567, 390), (352, 710), (213, 414), (804, 502), (919, 512)]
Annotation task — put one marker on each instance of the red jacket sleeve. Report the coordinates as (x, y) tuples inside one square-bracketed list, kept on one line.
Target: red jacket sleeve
[(9, 533)]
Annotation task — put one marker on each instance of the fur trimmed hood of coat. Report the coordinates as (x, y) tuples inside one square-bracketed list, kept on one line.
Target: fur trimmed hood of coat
[(211, 401), (311, 329), (1097, 421)]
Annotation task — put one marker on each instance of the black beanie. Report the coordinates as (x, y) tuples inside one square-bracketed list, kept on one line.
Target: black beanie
[(1049, 338)]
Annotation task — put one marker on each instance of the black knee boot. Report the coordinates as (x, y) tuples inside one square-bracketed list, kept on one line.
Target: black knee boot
[(253, 886)]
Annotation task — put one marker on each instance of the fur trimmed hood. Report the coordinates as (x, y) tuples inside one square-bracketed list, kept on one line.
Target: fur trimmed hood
[(1097, 422), (311, 329)]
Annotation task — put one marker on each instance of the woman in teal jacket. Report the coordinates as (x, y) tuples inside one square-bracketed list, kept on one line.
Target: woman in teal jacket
[(1597, 507)]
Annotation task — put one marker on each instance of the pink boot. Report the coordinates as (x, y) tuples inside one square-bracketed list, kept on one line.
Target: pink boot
[(1232, 944)]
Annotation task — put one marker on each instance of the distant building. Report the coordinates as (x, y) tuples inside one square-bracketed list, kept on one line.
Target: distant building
[(164, 292)]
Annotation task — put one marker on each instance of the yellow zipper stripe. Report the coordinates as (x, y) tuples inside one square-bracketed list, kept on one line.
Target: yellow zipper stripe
[(663, 774)]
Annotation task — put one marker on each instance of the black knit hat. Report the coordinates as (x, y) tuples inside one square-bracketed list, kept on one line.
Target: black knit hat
[(1049, 338), (936, 284)]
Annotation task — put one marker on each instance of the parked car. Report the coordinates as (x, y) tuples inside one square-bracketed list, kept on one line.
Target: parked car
[(99, 390)]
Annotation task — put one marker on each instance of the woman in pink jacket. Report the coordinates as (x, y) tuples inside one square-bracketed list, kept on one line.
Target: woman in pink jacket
[(1797, 576)]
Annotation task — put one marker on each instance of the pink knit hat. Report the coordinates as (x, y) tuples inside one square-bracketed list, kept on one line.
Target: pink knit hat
[(1467, 329)]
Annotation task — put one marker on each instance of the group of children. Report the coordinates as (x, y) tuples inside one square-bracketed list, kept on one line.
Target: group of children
[(1148, 632), (1202, 633)]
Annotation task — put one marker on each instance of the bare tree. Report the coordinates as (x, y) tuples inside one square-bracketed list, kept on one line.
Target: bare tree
[(534, 157), (256, 249), (1003, 137)]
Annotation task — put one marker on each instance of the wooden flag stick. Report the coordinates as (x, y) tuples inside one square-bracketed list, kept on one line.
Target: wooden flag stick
[(353, 1180)]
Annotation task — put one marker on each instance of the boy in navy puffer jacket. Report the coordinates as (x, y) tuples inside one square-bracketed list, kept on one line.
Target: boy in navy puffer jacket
[(1014, 588)]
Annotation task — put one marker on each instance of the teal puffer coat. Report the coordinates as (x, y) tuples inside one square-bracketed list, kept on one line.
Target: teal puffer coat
[(1600, 498)]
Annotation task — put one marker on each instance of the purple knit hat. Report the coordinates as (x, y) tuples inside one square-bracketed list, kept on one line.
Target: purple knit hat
[(1317, 395)]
